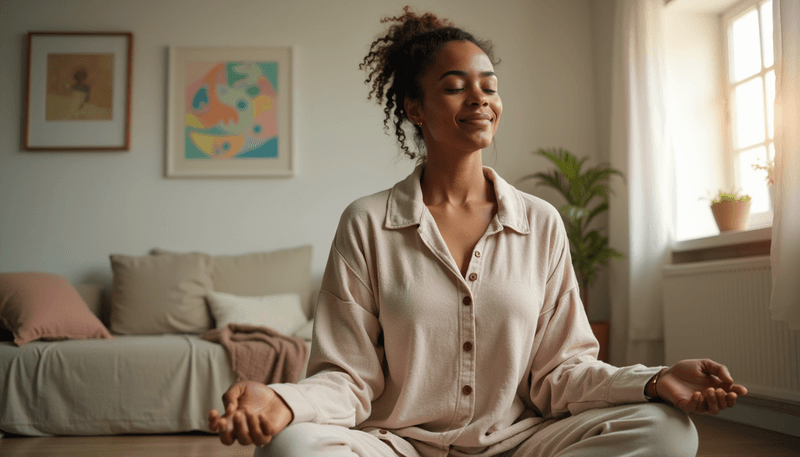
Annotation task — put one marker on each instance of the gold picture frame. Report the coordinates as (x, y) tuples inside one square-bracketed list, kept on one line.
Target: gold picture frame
[(78, 95)]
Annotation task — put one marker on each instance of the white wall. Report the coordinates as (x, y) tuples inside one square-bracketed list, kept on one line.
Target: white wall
[(66, 212)]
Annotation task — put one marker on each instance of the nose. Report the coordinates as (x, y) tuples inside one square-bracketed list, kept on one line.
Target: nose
[(477, 97)]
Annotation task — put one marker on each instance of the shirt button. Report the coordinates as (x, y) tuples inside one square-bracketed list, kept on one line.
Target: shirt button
[(383, 432), (477, 253), (473, 276), (467, 346), (466, 390), (467, 301)]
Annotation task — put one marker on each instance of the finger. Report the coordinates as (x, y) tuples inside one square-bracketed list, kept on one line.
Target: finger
[(225, 435), (253, 425), (241, 430), (701, 407), (731, 399), (711, 401), (739, 389), (722, 399), (213, 420)]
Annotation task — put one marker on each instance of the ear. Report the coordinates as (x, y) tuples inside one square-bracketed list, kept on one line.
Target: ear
[(413, 110)]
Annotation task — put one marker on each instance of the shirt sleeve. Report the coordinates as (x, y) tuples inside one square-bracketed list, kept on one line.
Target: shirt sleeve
[(566, 377), (345, 365)]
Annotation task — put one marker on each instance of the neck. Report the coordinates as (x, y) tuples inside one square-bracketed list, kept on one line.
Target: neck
[(455, 180)]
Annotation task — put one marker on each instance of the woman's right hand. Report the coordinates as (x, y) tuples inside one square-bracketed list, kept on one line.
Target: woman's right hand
[(254, 413)]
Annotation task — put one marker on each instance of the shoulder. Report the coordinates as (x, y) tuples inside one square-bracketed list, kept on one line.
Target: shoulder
[(365, 209), (539, 212)]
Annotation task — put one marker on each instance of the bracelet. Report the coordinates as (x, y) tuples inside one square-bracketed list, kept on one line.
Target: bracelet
[(656, 398)]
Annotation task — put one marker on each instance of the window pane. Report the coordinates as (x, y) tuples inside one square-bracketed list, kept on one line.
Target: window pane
[(753, 182), (745, 44), (770, 81), (766, 33), (749, 113)]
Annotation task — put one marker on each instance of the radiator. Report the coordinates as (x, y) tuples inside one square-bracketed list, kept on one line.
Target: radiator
[(720, 310)]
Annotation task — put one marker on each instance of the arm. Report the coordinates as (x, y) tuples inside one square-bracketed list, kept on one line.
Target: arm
[(565, 375), (345, 365), (566, 378)]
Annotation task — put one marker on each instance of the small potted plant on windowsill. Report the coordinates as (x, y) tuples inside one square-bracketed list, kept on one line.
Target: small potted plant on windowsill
[(586, 192), (731, 211)]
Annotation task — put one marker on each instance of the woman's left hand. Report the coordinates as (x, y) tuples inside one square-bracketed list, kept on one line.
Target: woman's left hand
[(699, 386)]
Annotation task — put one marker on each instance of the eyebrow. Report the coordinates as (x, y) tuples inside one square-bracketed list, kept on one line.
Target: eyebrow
[(464, 74)]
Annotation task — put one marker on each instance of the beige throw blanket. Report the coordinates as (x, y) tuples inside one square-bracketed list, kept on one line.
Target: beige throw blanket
[(261, 354)]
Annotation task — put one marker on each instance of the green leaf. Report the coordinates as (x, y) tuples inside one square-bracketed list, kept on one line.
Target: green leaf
[(573, 213)]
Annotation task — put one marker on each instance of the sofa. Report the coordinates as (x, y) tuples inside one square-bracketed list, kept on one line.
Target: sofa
[(131, 357)]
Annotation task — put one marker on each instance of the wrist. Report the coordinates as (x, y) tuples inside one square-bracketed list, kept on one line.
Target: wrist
[(651, 388)]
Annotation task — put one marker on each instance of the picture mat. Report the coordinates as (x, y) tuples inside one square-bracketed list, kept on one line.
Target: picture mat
[(80, 133)]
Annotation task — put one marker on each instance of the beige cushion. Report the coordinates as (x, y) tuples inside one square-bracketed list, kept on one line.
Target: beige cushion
[(261, 273), (159, 294), (92, 294), (45, 306)]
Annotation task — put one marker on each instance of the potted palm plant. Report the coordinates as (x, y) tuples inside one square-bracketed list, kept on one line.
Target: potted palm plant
[(586, 192)]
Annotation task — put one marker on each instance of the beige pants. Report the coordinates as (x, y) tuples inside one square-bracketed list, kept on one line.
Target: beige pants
[(630, 430)]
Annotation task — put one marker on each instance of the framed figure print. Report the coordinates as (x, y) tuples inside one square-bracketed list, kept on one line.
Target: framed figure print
[(229, 112), (78, 91)]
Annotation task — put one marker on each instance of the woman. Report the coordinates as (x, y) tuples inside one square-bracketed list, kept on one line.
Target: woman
[(449, 320)]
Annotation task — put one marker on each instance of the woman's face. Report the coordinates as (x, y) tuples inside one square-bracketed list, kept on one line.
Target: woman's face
[(460, 107)]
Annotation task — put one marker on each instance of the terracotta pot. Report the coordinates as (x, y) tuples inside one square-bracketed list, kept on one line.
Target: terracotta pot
[(602, 332), (731, 215)]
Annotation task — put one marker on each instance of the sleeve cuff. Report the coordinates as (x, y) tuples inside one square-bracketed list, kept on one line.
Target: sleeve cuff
[(302, 409), (628, 384)]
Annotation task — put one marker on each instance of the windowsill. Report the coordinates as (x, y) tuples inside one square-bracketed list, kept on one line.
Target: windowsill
[(726, 245)]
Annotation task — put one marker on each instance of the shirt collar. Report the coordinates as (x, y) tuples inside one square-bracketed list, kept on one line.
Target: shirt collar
[(405, 206)]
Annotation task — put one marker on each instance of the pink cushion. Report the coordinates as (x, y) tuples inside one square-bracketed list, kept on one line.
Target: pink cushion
[(45, 306)]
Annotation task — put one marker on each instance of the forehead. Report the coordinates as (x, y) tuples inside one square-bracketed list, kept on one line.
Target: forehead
[(460, 55)]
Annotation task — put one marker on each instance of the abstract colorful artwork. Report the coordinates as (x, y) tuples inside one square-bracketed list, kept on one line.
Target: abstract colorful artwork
[(229, 112), (79, 91)]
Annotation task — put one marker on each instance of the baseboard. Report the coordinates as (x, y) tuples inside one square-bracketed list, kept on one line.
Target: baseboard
[(767, 413)]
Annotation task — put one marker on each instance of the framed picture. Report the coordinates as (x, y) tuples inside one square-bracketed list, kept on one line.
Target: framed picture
[(230, 112), (78, 91)]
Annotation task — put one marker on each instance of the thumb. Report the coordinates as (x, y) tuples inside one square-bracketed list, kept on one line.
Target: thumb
[(231, 398), (718, 370)]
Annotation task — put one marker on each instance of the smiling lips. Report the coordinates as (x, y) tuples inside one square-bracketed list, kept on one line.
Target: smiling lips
[(477, 118)]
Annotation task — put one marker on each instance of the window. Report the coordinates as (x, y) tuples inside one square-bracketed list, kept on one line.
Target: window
[(749, 76)]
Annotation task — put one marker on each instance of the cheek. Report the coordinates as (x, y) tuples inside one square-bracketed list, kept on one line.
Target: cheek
[(498, 110)]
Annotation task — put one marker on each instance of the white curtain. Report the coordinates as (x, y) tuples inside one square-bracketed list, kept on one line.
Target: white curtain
[(642, 210), (785, 252)]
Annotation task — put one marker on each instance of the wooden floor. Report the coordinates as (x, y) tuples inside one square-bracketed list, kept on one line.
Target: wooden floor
[(717, 438)]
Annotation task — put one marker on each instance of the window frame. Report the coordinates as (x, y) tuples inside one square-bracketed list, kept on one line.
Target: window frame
[(732, 151)]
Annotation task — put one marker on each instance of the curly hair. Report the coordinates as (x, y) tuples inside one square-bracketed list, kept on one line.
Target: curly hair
[(399, 58)]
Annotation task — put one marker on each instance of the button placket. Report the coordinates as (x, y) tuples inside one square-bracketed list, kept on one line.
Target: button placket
[(466, 375)]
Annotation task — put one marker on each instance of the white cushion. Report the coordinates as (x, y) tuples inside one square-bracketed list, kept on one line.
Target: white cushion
[(281, 312)]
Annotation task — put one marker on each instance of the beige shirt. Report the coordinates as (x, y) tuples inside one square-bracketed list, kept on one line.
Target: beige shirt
[(408, 349)]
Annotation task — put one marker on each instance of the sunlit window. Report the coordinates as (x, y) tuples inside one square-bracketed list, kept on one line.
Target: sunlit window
[(750, 75)]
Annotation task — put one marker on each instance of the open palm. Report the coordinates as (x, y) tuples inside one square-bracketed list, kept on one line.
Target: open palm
[(254, 413), (699, 385)]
